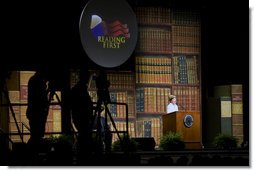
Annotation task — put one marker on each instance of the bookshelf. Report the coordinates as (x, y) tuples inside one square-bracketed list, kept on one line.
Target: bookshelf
[(167, 61)]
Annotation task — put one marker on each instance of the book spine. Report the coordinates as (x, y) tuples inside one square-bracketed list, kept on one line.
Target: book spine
[(226, 115), (237, 112)]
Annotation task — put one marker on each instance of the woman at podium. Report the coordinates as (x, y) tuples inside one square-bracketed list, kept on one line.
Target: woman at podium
[(172, 106)]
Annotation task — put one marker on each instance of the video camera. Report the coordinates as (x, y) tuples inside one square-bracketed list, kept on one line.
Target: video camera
[(102, 85)]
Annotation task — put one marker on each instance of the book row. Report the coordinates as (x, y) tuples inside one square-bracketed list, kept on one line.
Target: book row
[(150, 127), (152, 15), (121, 126), (188, 97), (185, 17), (153, 70), (185, 39), (154, 40), (118, 111), (162, 15), (159, 69), (185, 69), (150, 99)]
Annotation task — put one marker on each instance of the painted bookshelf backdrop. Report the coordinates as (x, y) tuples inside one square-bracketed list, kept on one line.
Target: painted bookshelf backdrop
[(19, 96), (167, 62)]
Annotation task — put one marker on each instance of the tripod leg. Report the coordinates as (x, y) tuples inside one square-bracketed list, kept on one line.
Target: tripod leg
[(13, 114), (114, 125), (112, 120), (98, 137)]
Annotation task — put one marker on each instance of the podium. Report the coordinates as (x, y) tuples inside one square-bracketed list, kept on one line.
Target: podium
[(187, 124)]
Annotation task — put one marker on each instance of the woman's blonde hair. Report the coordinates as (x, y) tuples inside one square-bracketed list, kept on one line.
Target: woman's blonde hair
[(170, 97)]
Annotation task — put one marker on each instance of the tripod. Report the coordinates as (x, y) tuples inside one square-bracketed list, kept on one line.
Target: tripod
[(102, 85)]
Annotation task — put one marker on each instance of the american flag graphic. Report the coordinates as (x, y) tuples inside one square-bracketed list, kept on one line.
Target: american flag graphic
[(113, 29)]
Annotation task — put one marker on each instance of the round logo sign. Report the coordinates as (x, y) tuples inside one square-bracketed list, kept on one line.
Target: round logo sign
[(108, 31), (188, 120)]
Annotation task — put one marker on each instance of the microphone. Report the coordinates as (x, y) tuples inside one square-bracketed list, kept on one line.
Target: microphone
[(181, 106)]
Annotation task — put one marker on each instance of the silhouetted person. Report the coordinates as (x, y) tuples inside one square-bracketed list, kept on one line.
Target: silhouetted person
[(82, 115), (38, 105)]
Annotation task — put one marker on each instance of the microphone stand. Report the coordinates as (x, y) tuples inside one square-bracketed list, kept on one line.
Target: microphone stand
[(184, 109)]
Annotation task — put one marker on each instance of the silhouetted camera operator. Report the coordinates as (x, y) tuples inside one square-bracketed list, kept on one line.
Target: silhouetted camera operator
[(82, 115), (37, 110)]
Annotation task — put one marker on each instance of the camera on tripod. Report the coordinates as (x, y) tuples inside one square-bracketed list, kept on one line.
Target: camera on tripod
[(102, 85), (103, 135), (51, 90)]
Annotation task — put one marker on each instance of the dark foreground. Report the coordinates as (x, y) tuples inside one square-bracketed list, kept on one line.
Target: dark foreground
[(64, 157)]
